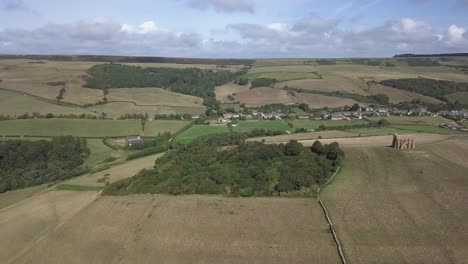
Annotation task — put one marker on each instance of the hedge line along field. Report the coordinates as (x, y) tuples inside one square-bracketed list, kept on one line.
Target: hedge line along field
[(86, 127), (179, 229), (391, 206)]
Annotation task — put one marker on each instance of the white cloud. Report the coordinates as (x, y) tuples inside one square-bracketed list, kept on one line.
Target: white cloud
[(455, 34), (222, 5), (278, 27)]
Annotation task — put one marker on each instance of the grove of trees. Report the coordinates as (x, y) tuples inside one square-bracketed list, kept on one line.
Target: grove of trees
[(240, 168), (26, 163)]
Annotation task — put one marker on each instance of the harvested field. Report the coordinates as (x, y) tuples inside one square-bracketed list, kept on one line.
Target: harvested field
[(12, 197), (391, 206), (154, 97), (378, 141), (223, 91), (327, 84), (264, 96), (398, 95), (27, 223), (305, 136), (282, 75), (115, 173), (14, 103), (190, 229)]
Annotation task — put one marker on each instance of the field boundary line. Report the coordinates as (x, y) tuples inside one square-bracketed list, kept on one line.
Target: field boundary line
[(330, 224)]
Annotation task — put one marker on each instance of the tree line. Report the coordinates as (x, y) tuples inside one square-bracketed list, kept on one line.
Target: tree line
[(27, 163)]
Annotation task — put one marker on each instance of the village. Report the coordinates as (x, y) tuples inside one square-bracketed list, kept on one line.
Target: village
[(360, 113)]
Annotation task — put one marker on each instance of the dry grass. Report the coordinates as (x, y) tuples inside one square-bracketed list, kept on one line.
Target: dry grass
[(115, 173), (391, 206), (222, 92), (190, 229), (13, 103), (27, 223), (12, 197), (264, 95)]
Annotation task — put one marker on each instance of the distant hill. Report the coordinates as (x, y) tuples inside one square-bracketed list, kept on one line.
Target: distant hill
[(128, 59), (409, 55)]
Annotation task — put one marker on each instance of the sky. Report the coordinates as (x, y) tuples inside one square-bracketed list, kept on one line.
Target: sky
[(234, 28)]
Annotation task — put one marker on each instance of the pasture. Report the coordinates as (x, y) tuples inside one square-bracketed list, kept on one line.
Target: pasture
[(155, 127), (391, 206), (75, 127), (461, 97), (180, 229), (247, 125), (314, 124), (200, 130), (118, 109)]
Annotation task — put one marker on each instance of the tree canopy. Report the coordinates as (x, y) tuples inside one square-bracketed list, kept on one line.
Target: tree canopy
[(26, 163), (240, 168)]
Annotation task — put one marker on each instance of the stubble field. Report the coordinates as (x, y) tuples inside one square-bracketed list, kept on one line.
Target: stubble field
[(391, 206)]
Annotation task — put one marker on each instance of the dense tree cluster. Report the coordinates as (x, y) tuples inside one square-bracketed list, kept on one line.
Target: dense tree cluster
[(430, 87), (242, 168), (263, 82), (325, 62), (27, 163), (191, 81)]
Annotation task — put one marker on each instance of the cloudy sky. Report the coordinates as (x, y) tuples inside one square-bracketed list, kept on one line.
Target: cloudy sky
[(234, 28)]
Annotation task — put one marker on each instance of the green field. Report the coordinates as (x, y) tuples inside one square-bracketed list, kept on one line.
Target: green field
[(247, 125), (75, 127), (282, 76), (86, 127), (314, 124), (101, 152), (413, 120), (461, 97), (200, 130), (155, 127), (71, 187)]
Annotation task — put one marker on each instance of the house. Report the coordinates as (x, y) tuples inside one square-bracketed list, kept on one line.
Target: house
[(136, 140), (222, 120)]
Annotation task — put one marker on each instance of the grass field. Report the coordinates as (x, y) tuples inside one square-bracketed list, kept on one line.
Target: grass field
[(200, 130), (100, 153), (195, 229), (155, 127), (314, 124), (391, 206), (87, 127), (75, 127), (461, 97), (247, 125), (305, 136)]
